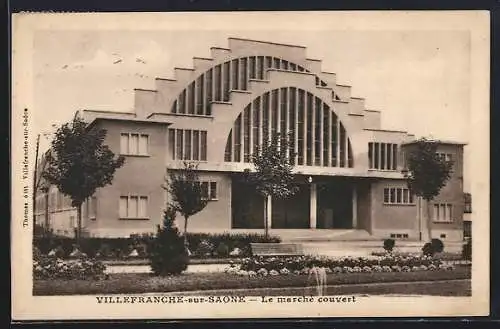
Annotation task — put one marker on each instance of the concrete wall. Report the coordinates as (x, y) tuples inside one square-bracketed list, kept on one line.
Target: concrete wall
[(140, 175), (387, 219), (217, 214)]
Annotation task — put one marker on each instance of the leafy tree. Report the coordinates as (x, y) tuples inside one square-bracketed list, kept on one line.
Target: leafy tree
[(427, 173), (168, 254), (79, 163), (273, 174), (187, 196)]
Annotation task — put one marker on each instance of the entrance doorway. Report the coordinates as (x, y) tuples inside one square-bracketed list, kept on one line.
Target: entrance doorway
[(292, 212), (334, 210)]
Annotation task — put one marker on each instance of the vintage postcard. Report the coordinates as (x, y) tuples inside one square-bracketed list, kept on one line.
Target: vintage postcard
[(250, 165)]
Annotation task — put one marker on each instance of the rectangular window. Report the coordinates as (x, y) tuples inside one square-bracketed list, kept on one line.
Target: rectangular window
[(124, 144), (134, 144), (394, 156), (443, 212), (387, 197), (143, 144), (180, 144), (370, 155), (382, 156), (187, 154), (143, 207), (123, 207), (397, 195), (134, 206), (171, 142), (204, 190), (213, 190), (203, 151), (196, 145)]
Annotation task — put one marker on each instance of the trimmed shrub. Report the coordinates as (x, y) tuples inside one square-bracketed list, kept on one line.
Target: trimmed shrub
[(433, 247), (222, 250), (389, 244), (120, 248), (467, 250), (168, 254), (437, 245)]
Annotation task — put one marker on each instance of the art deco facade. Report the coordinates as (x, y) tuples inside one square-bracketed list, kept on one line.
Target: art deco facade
[(220, 111)]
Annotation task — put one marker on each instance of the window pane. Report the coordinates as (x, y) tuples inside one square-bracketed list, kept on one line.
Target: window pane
[(123, 206), (133, 206), (213, 190), (187, 154), (203, 155), (394, 156), (398, 195), (386, 195), (124, 143), (436, 212), (143, 207), (370, 155), (171, 142), (180, 144), (405, 195), (448, 213), (134, 144), (204, 190), (382, 156), (196, 144), (393, 195), (442, 212), (375, 158), (411, 196), (143, 144)]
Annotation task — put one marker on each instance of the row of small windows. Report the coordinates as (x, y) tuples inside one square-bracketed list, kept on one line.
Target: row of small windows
[(216, 83), (383, 156), (443, 212), (187, 144), (317, 137), (397, 195), (134, 144)]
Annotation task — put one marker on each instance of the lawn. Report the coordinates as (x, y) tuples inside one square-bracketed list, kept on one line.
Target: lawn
[(127, 283)]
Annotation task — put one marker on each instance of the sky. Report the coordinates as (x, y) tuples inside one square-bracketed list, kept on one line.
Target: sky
[(418, 79)]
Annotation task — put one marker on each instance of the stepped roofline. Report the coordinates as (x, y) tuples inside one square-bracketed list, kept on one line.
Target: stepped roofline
[(266, 42)]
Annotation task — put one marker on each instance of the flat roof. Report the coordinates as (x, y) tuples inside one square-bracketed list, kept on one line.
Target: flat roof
[(439, 141)]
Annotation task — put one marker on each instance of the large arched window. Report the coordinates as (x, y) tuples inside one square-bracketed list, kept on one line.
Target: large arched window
[(317, 137), (216, 83)]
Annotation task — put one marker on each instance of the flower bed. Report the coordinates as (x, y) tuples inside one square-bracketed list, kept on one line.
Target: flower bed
[(263, 266), (78, 269)]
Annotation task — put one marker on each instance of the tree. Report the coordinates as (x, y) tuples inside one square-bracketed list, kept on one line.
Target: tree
[(427, 173), (79, 163), (187, 195), (168, 251), (273, 174)]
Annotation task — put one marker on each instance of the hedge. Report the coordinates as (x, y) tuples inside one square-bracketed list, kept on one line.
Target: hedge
[(201, 245)]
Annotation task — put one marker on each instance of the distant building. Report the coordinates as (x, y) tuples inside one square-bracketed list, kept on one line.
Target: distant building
[(220, 111)]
